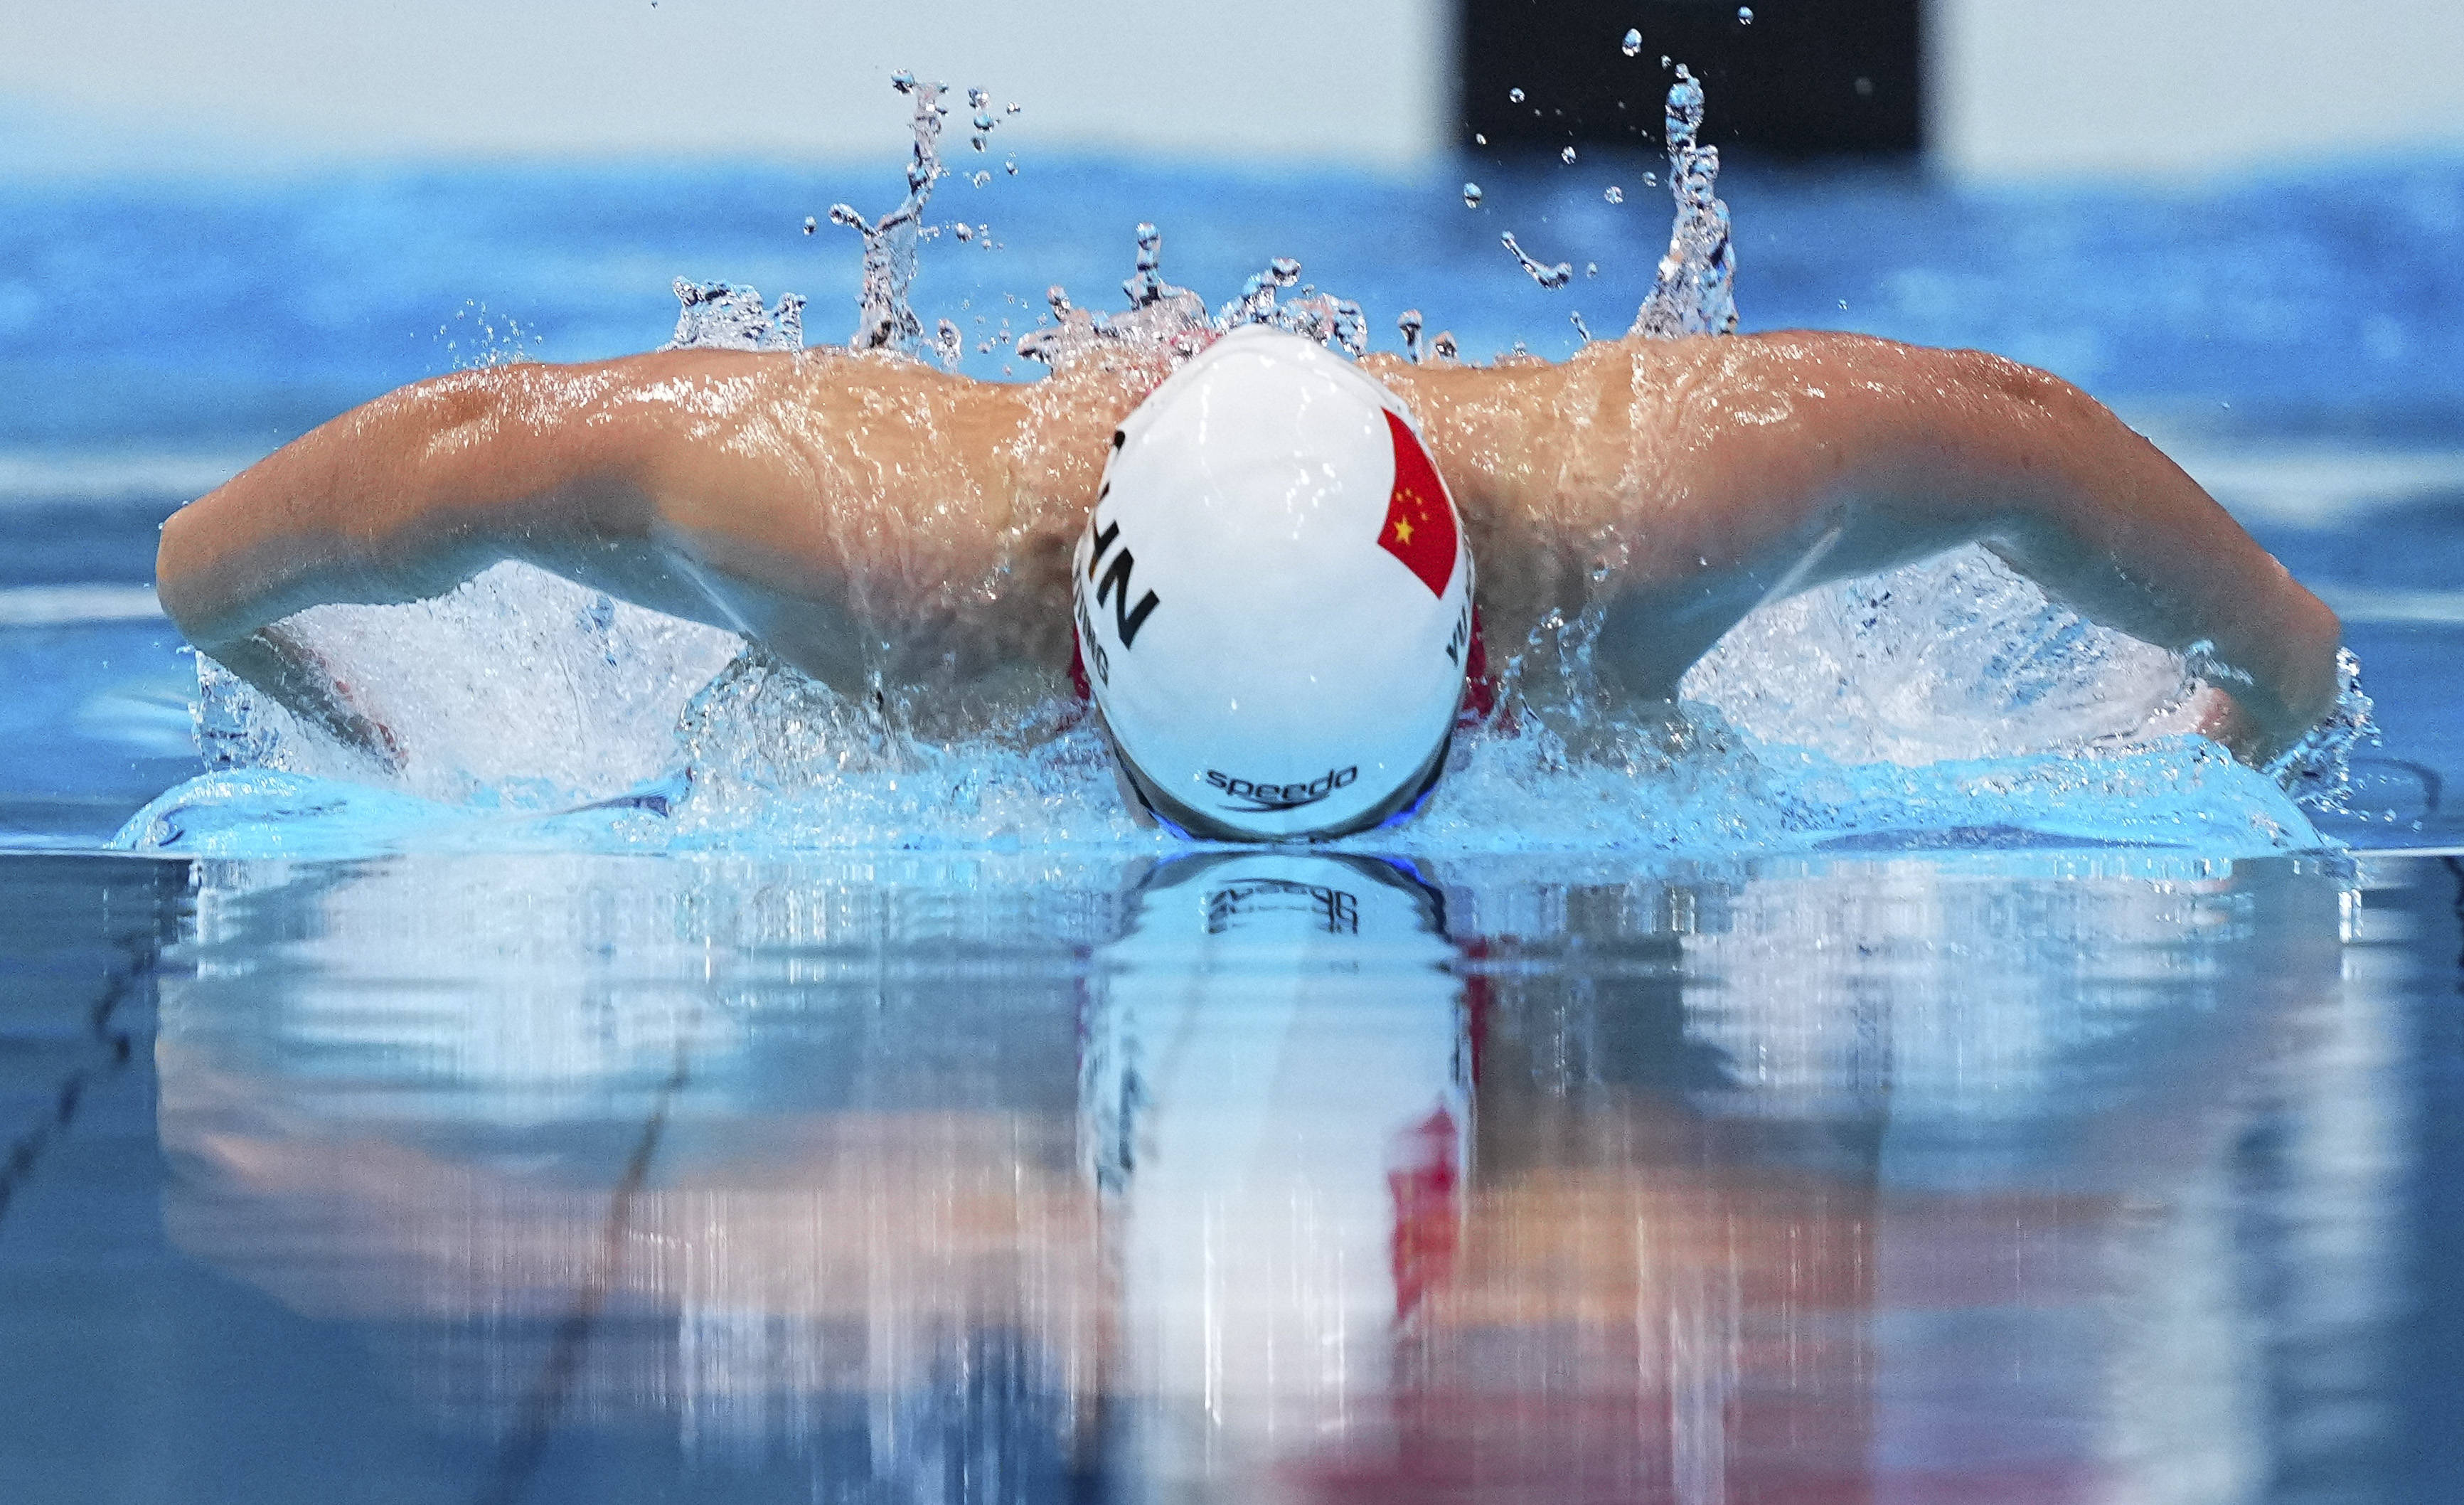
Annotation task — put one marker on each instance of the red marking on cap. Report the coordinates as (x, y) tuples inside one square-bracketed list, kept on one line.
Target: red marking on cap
[(1419, 528)]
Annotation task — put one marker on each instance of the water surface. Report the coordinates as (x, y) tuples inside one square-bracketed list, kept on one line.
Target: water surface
[(2036, 1176)]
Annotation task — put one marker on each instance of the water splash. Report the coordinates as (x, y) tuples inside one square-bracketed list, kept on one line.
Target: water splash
[(721, 315), (981, 104), (885, 319), (1160, 317), (1146, 287), (475, 337), (777, 765), (1547, 276), (2317, 769), (1174, 320), (515, 690), (1694, 293)]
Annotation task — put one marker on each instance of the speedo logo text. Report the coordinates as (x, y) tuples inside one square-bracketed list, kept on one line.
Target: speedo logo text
[(1260, 797)]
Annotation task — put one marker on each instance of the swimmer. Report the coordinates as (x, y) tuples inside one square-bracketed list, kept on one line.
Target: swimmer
[(1262, 562)]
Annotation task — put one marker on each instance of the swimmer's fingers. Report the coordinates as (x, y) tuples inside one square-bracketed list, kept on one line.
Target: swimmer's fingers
[(2223, 718), (2220, 718)]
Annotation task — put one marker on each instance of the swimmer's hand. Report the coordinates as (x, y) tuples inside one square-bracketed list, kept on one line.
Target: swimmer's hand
[(279, 662)]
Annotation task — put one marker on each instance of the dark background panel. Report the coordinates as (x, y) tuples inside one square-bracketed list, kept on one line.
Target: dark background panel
[(1807, 78)]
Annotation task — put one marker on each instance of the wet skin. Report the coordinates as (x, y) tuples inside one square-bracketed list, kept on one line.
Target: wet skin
[(864, 516)]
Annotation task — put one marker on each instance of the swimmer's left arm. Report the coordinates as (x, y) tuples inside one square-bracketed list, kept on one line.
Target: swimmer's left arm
[(1699, 479)]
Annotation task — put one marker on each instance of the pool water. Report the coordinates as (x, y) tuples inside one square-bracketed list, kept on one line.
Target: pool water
[(2039, 1130), (2031, 1177)]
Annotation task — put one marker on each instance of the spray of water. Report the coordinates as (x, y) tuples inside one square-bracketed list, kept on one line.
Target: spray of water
[(475, 337), (1695, 292), (1552, 277), (1174, 320), (885, 319), (721, 315)]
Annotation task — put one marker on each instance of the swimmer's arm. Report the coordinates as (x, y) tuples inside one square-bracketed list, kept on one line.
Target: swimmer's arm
[(403, 499), (1908, 452), (1702, 477), (779, 495)]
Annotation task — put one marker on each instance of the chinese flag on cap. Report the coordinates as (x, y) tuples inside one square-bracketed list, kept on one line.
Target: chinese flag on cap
[(1419, 521)]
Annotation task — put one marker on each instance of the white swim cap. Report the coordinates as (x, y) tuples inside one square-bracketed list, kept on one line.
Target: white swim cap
[(1274, 597)]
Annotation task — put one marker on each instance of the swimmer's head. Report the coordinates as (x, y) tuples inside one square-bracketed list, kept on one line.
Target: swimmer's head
[(1273, 598)]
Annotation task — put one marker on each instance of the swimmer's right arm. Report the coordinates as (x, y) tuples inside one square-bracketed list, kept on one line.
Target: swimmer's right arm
[(400, 500), (794, 498)]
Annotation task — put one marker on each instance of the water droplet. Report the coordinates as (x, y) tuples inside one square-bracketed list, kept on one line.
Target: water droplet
[(1590, 269), (1010, 166), (811, 224), (979, 97), (963, 231), (1514, 96), (1478, 140), (1567, 156), (1663, 59), (984, 120), (1843, 302), (1613, 195), (1633, 42), (1012, 109), (1745, 15), (1651, 180), (1552, 277), (1471, 195), (1864, 88)]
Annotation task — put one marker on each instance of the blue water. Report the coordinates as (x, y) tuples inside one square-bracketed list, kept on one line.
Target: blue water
[(2048, 1178)]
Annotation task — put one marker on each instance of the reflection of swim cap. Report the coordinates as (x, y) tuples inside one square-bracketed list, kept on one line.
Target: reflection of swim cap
[(1275, 1098), (1274, 597)]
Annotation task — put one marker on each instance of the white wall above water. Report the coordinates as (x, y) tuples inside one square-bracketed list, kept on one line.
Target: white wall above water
[(2018, 88), (277, 81), (2028, 88)]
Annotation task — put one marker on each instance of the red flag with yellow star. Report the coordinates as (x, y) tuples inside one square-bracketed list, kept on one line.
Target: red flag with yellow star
[(1419, 521)]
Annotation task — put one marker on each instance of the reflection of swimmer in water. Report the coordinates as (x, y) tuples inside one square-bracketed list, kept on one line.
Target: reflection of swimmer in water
[(880, 525)]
